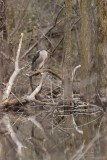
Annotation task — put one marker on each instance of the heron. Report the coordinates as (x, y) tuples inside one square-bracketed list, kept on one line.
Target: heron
[(39, 59)]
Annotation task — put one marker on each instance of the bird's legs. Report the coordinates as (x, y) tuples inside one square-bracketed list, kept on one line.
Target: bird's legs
[(39, 70)]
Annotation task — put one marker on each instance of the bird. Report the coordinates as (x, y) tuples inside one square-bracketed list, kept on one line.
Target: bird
[(39, 59)]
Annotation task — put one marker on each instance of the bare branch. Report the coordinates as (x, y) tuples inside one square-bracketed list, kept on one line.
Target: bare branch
[(37, 90), (74, 71), (15, 73), (49, 71)]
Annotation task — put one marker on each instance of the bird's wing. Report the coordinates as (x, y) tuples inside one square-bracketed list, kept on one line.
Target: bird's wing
[(36, 57), (34, 61), (37, 60)]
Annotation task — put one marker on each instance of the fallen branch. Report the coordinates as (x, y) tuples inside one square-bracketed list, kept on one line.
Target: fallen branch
[(15, 73), (26, 99)]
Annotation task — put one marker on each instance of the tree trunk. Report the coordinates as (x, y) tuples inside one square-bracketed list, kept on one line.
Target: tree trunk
[(68, 66), (102, 61), (88, 49), (102, 42), (3, 39), (68, 59)]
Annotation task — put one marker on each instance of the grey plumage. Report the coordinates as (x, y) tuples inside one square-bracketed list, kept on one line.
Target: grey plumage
[(39, 59)]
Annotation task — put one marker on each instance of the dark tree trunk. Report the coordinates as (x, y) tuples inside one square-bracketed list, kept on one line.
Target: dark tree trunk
[(3, 39), (3, 29)]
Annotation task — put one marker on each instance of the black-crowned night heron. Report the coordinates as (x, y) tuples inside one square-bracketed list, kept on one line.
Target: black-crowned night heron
[(39, 60)]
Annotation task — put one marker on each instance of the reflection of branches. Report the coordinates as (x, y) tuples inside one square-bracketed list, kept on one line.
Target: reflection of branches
[(75, 125), (37, 124), (84, 149), (78, 152), (88, 147), (12, 134)]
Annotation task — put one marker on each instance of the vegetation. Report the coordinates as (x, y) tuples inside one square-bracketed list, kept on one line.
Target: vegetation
[(59, 111)]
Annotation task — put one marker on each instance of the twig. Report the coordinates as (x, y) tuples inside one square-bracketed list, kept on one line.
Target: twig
[(57, 45), (15, 73), (31, 86), (47, 38), (51, 91), (74, 71), (47, 70)]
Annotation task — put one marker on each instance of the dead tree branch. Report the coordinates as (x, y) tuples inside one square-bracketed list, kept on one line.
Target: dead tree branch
[(49, 71), (26, 99), (37, 90), (15, 73)]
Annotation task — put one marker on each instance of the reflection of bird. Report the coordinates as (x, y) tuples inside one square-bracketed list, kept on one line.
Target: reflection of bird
[(39, 60)]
